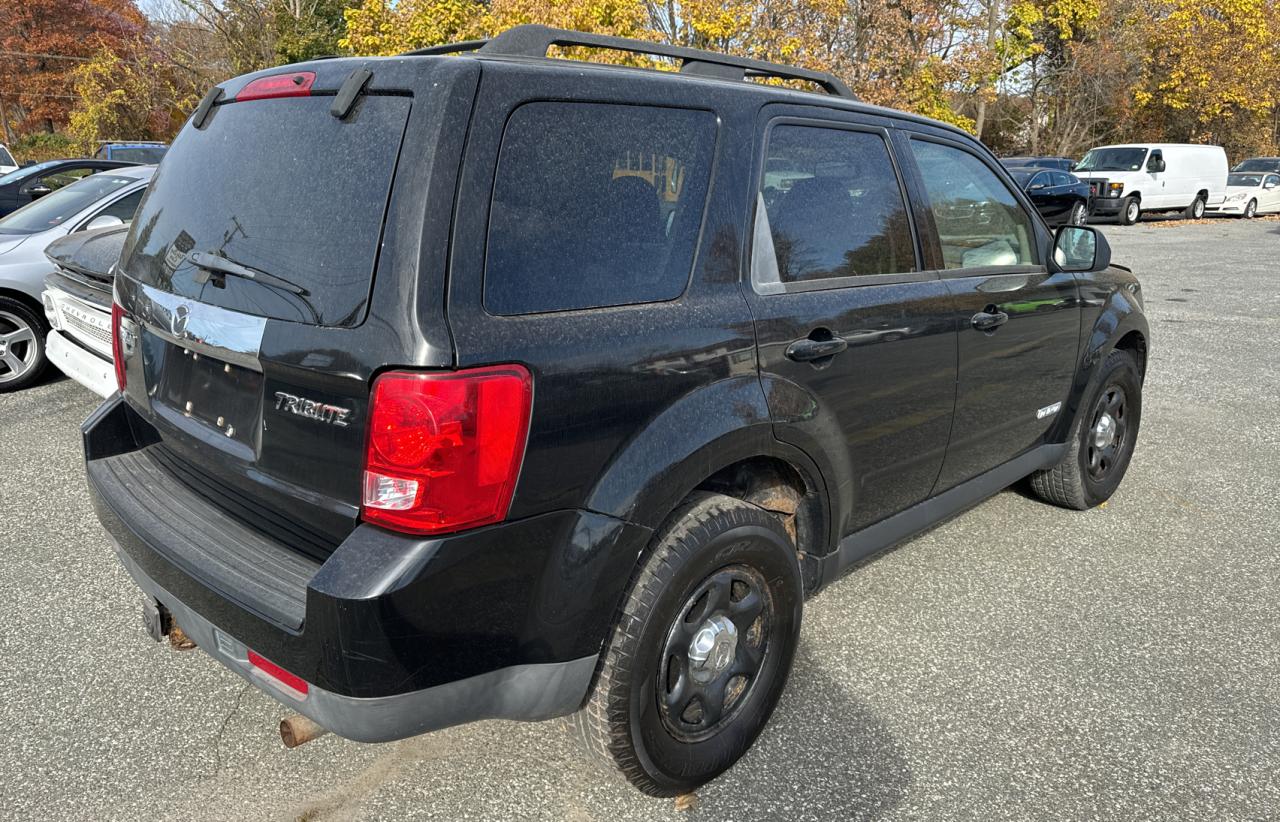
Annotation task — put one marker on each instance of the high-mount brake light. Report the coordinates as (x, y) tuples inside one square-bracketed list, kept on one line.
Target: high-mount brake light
[(117, 349), (445, 449), (293, 84)]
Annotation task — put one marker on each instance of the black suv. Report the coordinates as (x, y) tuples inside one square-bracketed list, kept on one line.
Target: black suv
[(493, 385)]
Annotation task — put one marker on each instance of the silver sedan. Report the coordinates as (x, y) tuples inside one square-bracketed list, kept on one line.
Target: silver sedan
[(103, 199)]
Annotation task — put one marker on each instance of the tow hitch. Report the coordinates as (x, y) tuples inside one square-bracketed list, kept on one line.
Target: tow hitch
[(159, 624)]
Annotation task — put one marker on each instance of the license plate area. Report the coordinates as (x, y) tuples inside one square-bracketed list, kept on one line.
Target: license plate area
[(218, 401)]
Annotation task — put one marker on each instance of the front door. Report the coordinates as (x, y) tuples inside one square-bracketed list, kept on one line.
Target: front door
[(857, 351), (1018, 323)]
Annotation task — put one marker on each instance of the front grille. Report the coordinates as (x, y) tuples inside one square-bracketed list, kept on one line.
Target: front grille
[(71, 321), (1098, 188)]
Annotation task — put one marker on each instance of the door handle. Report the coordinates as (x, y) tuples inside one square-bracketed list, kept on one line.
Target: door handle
[(808, 349), (989, 320)]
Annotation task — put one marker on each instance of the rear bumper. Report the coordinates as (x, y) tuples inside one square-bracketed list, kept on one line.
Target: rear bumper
[(394, 635), (85, 367)]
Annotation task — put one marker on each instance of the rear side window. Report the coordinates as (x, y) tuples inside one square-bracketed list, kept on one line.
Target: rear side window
[(596, 205), (284, 188), (834, 206), (979, 221)]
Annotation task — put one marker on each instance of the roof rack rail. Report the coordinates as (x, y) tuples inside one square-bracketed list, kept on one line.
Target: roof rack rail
[(534, 40)]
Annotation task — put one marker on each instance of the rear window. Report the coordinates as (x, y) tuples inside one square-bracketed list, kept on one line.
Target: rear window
[(138, 154), (596, 205), (281, 187)]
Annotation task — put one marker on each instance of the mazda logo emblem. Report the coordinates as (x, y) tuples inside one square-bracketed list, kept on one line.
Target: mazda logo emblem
[(178, 320)]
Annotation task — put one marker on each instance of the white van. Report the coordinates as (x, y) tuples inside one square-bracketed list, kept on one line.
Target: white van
[(1127, 180)]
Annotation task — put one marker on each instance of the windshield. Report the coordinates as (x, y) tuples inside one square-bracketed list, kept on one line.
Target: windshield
[(1113, 159), (1259, 164), (23, 173), (56, 208), (6, 159), (1248, 180), (138, 154)]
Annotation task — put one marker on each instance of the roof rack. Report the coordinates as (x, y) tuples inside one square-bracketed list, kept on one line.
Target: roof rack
[(534, 40)]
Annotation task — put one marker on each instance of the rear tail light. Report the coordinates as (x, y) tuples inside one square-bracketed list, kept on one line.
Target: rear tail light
[(117, 350), (279, 675), (293, 84), (445, 449)]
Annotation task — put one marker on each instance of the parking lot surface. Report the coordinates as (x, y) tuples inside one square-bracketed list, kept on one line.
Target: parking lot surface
[(1019, 662)]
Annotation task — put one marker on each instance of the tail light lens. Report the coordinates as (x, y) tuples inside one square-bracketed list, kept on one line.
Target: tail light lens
[(445, 450), (117, 350), (273, 671), (293, 84)]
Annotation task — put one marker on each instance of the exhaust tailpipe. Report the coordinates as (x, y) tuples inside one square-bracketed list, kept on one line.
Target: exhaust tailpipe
[(297, 729)]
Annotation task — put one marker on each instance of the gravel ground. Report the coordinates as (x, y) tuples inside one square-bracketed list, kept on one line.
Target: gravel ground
[(1020, 662)]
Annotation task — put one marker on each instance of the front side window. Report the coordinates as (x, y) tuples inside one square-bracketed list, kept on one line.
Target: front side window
[(596, 205), (124, 208), (979, 221), (834, 207)]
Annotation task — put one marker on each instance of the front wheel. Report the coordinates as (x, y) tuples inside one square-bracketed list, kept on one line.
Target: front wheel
[(1079, 214), (22, 333), (1130, 211), (1102, 440), (1251, 210), (1195, 211), (701, 650)]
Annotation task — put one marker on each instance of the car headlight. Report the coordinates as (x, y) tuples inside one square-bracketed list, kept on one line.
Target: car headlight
[(1114, 189), (1239, 195)]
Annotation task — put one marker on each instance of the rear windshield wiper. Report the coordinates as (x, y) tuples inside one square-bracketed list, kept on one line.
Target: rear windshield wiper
[(222, 265)]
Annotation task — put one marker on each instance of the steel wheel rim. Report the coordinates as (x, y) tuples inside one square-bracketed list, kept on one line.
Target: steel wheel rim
[(1108, 432), (1132, 211), (1197, 209), (18, 347), (697, 700)]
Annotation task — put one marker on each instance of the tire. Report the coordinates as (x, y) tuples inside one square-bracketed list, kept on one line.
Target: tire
[(1079, 214), (22, 333), (1090, 472), (1195, 211), (1130, 211), (1250, 210), (713, 549)]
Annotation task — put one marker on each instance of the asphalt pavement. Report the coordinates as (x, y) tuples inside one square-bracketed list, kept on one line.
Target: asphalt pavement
[(1019, 662)]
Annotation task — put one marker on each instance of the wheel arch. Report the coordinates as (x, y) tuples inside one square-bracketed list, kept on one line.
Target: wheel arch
[(24, 298)]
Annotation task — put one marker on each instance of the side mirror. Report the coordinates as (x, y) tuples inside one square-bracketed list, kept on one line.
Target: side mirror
[(103, 221), (1268, 186), (1080, 248), (38, 190), (1155, 164)]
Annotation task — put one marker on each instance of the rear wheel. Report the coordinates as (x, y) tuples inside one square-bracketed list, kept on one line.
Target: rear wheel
[(1102, 441), (701, 651), (1195, 211), (1130, 211), (1251, 210), (22, 333)]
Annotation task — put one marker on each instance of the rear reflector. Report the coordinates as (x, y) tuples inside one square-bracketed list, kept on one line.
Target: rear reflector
[(291, 681), (293, 84), (445, 449)]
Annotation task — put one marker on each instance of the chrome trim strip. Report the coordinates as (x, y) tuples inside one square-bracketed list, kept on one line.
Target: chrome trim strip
[(207, 329)]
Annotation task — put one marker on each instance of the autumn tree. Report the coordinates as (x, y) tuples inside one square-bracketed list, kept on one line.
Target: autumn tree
[(142, 97), (42, 42)]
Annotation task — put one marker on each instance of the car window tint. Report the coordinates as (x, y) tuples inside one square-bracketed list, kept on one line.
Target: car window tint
[(6, 159), (1041, 179), (834, 206), (979, 221), (595, 205), (65, 177), (124, 208), (1273, 179), (1060, 179)]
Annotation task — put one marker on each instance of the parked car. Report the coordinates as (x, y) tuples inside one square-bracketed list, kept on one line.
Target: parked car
[(1129, 180), (101, 200), (1250, 194), (1061, 198), (7, 163), (1256, 164), (135, 152), (77, 305), (1057, 163), (501, 421), (17, 188)]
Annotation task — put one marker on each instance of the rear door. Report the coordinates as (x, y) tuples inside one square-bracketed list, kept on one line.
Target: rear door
[(1019, 324), (248, 279), (854, 338)]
